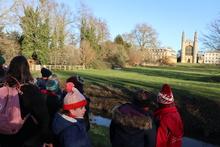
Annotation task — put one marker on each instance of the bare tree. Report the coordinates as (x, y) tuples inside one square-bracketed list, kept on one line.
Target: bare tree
[(129, 38), (145, 36), (87, 55), (135, 57), (212, 39), (60, 21), (7, 12), (71, 54), (9, 47), (101, 32)]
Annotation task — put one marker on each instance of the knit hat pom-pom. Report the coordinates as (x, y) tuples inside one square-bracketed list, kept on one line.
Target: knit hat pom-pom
[(69, 87), (165, 96)]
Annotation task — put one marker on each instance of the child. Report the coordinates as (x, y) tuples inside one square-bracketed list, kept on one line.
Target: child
[(41, 82), (68, 125), (132, 124), (53, 97), (53, 86), (79, 85), (170, 129)]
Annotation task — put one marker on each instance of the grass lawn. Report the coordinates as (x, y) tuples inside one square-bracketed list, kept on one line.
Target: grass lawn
[(198, 81)]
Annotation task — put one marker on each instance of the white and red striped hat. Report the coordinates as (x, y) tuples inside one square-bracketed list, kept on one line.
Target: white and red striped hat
[(165, 96), (73, 99)]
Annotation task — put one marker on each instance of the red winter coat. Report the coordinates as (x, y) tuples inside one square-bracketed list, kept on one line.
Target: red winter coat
[(170, 129)]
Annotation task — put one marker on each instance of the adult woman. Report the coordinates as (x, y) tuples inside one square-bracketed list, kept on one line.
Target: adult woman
[(35, 130)]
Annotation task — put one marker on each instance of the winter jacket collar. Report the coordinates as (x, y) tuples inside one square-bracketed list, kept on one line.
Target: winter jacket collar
[(61, 122), (165, 110), (129, 115), (68, 118)]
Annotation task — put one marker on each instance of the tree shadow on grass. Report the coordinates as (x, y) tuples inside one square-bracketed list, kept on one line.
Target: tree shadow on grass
[(174, 74), (125, 84)]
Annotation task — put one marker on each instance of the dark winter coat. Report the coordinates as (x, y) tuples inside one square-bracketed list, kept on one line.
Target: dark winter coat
[(132, 127), (2, 73), (70, 132), (34, 131)]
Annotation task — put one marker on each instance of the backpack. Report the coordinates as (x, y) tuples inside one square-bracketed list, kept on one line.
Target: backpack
[(10, 114), (53, 102)]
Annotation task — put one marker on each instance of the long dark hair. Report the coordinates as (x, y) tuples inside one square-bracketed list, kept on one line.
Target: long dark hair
[(19, 69)]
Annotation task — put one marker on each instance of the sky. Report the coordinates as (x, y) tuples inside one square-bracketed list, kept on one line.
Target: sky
[(168, 17)]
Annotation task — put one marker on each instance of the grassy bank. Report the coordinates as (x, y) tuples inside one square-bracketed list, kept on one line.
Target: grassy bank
[(99, 136)]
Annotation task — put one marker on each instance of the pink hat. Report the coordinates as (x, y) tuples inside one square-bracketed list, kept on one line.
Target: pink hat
[(165, 96), (74, 99)]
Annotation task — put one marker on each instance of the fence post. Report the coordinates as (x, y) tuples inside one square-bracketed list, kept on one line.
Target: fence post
[(57, 67)]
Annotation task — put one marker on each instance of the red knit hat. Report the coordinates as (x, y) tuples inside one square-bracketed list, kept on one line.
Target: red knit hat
[(165, 96), (74, 99)]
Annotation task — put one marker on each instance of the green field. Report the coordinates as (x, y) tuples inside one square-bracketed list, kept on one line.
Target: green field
[(196, 90), (187, 81)]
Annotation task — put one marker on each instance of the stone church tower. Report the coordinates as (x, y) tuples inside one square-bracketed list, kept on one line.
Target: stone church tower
[(189, 49)]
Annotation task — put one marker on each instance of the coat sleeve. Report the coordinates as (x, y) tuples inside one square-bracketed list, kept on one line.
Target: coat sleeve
[(112, 131), (150, 136), (162, 134), (35, 104)]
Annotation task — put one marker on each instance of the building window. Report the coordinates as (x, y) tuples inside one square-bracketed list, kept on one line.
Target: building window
[(189, 50)]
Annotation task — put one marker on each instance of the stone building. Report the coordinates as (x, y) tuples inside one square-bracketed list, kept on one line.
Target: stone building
[(200, 57), (162, 54), (189, 49), (212, 57)]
